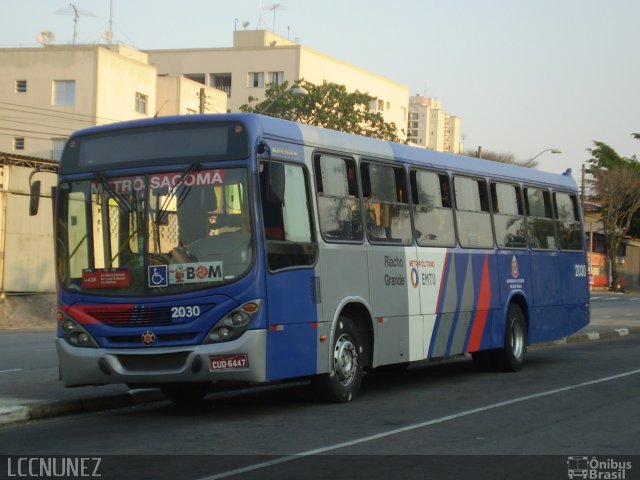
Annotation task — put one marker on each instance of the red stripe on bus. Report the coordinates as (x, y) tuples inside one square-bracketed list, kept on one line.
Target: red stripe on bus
[(482, 309)]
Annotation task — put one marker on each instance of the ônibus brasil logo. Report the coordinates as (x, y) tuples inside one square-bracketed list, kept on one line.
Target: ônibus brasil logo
[(596, 469)]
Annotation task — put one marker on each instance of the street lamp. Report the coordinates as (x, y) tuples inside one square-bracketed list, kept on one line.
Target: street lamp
[(296, 91), (552, 150)]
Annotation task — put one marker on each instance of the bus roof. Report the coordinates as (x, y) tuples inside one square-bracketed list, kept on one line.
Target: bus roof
[(323, 138)]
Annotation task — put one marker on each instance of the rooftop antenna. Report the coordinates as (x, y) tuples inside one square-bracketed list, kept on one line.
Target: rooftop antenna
[(75, 12), (274, 8), (259, 22), (108, 35), (45, 37)]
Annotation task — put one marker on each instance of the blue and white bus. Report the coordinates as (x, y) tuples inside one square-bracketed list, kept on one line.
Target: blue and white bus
[(199, 249)]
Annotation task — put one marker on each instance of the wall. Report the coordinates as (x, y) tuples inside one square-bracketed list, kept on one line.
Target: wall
[(178, 95), (34, 111), (28, 264)]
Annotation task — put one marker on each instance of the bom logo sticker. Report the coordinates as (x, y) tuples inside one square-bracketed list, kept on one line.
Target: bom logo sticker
[(181, 273)]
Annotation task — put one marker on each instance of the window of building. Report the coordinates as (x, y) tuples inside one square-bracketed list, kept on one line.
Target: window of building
[(21, 86), (255, 79), (18, 143), (57, 144), (386, 204), (276, 78), (141, 103), (339, 205), (64, 92), (568, 222), (288, 229), (221, 81), (539, 219), (196, 77), (473, 217), (508, 216), (380, 105), (432, 213)]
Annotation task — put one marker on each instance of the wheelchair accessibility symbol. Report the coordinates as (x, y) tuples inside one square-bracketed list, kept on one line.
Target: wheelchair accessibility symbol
[(158, 276)]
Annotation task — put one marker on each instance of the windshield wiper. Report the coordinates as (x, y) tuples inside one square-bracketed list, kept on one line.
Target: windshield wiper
[(120, 199), (161, 214)]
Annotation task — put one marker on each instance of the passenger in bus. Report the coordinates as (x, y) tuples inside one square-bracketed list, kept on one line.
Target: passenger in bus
[(194, 207)]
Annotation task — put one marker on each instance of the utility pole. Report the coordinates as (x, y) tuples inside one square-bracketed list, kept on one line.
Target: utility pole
[(203, 97)]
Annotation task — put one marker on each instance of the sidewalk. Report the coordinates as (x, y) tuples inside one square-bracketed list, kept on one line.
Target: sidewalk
[(36, 393)]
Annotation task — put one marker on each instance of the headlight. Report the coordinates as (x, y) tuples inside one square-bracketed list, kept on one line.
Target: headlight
[(74, 333), (234, 323)]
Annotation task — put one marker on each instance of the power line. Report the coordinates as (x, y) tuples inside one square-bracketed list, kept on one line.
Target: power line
[(25, 136), (13, 120), (31, 131), (60, 112)]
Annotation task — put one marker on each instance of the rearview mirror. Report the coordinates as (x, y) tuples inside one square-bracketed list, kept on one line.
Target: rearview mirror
[(34, 198)]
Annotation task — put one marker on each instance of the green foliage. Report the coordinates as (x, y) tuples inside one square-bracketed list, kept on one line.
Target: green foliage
[(617, 191), (328, 105)]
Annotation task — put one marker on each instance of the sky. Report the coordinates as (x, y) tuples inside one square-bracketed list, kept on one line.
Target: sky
[(523, 75)]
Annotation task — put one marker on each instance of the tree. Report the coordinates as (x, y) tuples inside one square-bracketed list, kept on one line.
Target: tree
[(328, 105), (502, 157), (617, 187)]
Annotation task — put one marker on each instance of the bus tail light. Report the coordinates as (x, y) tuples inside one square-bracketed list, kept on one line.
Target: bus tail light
[(234, 323), (74, 333)]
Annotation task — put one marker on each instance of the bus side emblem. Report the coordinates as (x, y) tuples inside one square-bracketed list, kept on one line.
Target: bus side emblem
[(515, 270), (148, 338)]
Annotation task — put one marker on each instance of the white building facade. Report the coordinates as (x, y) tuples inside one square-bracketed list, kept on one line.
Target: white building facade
[(430, 127), (259, 58)]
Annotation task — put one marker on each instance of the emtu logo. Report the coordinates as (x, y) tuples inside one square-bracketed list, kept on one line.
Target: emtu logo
[(414, 277)]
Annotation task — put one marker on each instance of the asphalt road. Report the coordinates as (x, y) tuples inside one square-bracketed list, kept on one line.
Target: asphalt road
[(442, 420)]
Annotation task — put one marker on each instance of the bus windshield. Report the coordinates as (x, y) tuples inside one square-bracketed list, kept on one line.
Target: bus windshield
[(154, 234)]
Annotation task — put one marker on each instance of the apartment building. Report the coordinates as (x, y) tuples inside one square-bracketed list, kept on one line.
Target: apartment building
[(259, 58), (48, 92), (430, 127)]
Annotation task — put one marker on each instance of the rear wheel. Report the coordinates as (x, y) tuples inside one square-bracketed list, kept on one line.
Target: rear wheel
[(511, 358), (343, 382), (186, 392)]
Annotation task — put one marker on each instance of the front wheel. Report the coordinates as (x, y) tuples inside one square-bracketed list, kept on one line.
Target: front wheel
[(511, 358), (343, 382)]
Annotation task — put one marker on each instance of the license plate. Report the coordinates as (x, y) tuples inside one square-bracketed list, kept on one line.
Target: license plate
[(229, 362)]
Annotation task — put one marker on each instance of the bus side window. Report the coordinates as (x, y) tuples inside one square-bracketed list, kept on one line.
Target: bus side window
[(289, 237), (472, 213), (432, 211), (386, 203), (339, 204), (568, 222), (539, 219), (508, 216)]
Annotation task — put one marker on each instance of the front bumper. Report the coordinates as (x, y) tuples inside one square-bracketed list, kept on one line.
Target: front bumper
[(155, 366)]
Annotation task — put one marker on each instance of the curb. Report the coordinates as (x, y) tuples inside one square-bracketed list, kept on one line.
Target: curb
[(590, 336), (24, 413), (39, 411)]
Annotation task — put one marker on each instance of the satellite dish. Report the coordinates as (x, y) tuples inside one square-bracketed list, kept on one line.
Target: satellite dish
[(45, 37), (107, 35)]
